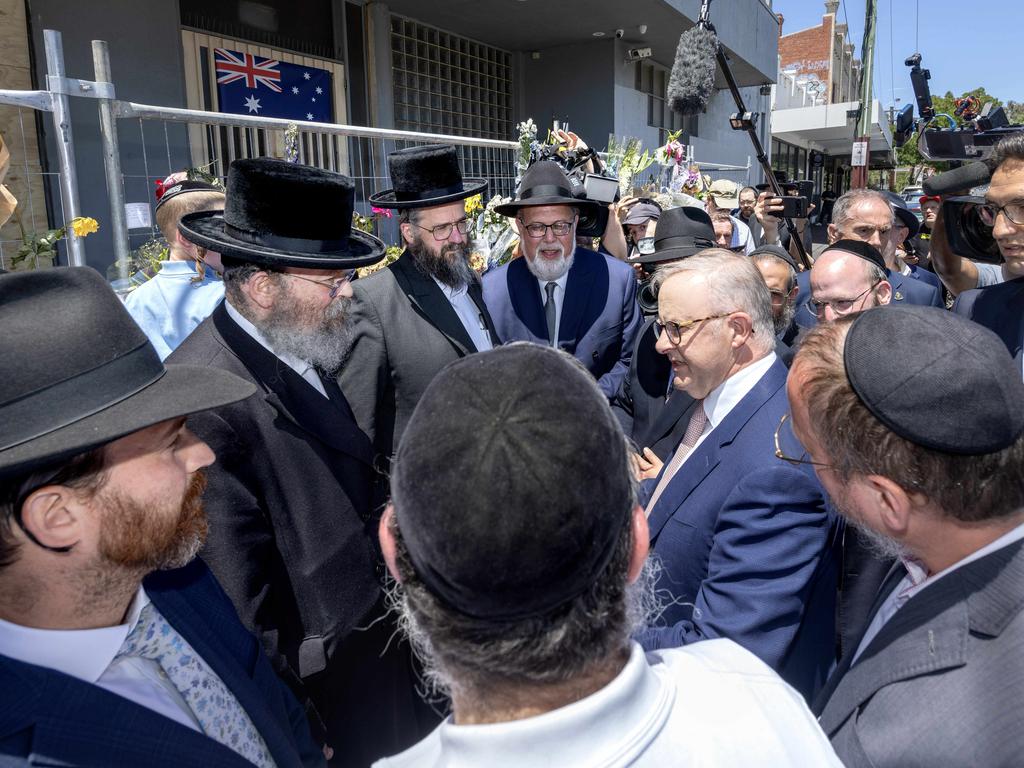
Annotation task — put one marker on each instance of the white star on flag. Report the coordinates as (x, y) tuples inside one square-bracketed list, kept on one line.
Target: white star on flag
[(309, 115), (305, 75), (314, 98), (295, 89), (319, 90), (253, 104)]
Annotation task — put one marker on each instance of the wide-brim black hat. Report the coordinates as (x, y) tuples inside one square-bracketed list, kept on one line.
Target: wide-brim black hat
[(426, 176), (903, 213), (681, 232), (545, 183), (100, 378), (280, 214)]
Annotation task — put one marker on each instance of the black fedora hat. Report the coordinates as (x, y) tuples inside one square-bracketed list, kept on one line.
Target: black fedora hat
[(280, 214), (425, 176), (545, 183), (76, 372), (681, 232), (903, 213)]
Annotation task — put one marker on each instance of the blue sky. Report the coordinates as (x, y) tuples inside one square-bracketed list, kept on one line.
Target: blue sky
[(965, 44)]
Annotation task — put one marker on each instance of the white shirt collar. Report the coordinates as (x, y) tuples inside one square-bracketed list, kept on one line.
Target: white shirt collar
[(723, 398), (626, 713), (293, 362), (447, 290), (560, 282), (81, 653)]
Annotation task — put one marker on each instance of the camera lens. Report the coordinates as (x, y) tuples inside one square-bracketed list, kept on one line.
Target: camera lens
[(646, 298)]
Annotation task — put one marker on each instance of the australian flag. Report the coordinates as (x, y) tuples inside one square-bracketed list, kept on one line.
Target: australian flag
[(252, 85)]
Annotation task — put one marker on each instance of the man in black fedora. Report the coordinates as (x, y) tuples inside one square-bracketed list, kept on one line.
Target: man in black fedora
[(559, 294), (291, 501), (649, 408), (426, 309), (117, 647)]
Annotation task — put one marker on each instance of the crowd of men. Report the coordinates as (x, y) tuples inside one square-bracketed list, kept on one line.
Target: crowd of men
[(286, 517)]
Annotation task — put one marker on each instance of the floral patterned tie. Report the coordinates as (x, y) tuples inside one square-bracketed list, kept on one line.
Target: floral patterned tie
[(219, 714)]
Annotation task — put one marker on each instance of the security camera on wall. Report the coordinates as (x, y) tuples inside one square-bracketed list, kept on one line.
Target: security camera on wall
[(637, 54), (619, 34)]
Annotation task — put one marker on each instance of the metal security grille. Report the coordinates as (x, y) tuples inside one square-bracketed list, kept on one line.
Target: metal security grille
[(652, 79), (449, 84)]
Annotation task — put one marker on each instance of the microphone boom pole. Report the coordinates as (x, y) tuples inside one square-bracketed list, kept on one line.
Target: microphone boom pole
[(762, 158)]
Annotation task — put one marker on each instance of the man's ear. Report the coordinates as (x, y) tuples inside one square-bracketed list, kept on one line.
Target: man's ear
[(641, 544), (408, 236), (387, 541), (893, 504), (794, 293), (833, 233), (53, 516), (261, 289), (883, 291), (742, 326), (186, 246)]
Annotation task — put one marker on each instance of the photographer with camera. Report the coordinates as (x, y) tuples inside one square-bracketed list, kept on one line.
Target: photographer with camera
[(1000, 306), (769, 212)]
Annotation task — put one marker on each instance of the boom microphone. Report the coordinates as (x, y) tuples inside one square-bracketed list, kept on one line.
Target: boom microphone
[(692, 81), (958, 180)]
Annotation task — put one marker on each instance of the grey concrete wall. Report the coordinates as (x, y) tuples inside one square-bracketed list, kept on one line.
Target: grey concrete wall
[(146, 59), (572, 82), (717, 142)]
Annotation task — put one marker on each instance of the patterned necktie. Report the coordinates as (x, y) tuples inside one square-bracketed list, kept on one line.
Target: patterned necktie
[(693, 432), (550, 312), (219, 714)]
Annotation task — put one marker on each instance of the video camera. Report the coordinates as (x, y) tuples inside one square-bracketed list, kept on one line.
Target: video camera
[(972, 130)]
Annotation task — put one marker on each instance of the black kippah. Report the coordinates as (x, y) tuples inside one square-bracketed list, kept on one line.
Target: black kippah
[(511, 483), (936, 379), (866, 251)]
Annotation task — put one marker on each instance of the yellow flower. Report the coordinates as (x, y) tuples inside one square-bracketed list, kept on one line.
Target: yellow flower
[(474, 204), (84, 225), (478, 262)]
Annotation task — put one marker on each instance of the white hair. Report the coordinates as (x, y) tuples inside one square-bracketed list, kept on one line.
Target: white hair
[(733, 283)]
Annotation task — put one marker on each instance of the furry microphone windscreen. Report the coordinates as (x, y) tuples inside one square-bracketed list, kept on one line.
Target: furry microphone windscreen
[(693, 75)]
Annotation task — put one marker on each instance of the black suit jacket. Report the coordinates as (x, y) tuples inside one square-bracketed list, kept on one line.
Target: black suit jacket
[(1000, 308), (292, 540), (405, 331), (651, 420)]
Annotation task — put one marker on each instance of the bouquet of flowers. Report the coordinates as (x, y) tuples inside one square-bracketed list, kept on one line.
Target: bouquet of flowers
[(527, 138), (492, 235), (625, 160), (41, 248)]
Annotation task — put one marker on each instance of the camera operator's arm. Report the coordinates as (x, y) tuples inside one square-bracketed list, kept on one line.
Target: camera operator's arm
[(572, 141), (766, 209), (956, 273), (614, 238)]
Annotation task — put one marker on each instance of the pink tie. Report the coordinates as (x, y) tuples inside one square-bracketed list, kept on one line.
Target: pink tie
[(693, 432)]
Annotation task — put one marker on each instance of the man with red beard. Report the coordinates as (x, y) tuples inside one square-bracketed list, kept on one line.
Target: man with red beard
[(559, 294), (426, 309), (292, 499), (117, 647)]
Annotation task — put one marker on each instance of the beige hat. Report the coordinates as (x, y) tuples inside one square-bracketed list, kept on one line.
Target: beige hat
[(726, 193)]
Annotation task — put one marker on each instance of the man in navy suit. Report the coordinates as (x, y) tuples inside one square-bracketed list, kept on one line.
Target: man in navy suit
[(117, 648), (745, 540), (1000, 307), (866, 214), (559, 294)]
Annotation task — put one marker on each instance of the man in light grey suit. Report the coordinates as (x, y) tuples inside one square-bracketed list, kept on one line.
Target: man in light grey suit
[(919, 441), (426, 309)]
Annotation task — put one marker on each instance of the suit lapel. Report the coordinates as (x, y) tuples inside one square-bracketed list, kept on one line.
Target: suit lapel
[(579, 291), (670, 413), (707, 455), (431, 303), (476, 293), (235, 674), (291, 396), (895, 279), (524, 295)]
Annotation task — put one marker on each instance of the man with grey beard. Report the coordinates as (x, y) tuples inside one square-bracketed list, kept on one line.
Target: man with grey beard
[(778, 268), (426, 309), (558, 294), (291, 501), (523, 573)]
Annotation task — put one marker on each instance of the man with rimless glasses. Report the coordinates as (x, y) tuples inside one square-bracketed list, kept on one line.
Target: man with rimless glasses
[(559, 294), (848, 276), (745, 541)]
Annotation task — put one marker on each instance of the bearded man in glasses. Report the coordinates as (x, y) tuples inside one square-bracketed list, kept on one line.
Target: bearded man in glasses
[(559, 294), (292, 498), (746, 543), (426, 309)]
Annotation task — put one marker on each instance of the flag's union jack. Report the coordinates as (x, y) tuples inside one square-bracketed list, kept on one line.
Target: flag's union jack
[(233, 66)]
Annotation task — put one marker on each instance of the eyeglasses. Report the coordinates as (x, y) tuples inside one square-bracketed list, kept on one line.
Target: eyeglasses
[(780, 454), (778, 297), (538, 229), (674, 331), (443, 231), (839, 306), (1013, 211), (333, 284)]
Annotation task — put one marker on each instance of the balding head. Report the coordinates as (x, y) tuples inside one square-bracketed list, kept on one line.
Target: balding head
[(843, 283)]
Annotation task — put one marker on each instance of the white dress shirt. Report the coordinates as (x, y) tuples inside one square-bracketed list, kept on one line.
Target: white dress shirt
[(301, 367), (708, 704), (89, 655), (559, 297), (727, 395), (469, 313), (917, 578)]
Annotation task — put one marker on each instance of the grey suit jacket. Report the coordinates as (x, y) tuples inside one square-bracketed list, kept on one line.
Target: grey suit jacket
[(405, 332), (943, 683)]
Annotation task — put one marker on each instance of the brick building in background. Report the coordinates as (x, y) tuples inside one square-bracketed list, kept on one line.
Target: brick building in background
[(822, 58)]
